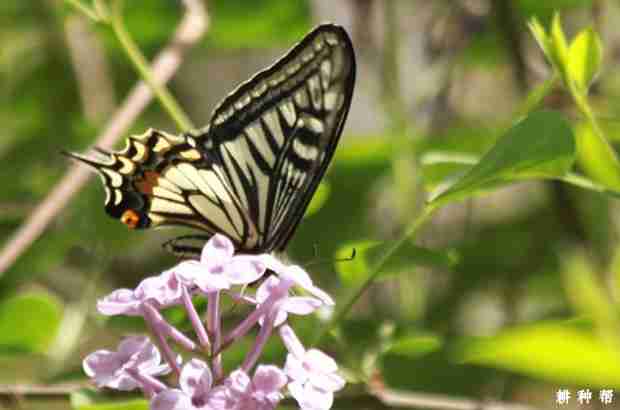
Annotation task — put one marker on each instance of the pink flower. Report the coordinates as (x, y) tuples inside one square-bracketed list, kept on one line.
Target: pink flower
[(163, 290), (196, 391), (297, 305), (313, 374), (160, 291), (218, 269), (262, 392), (112, 369), (120, 302), (298, 276)]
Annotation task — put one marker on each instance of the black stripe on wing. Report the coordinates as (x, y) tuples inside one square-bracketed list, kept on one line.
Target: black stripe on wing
[(276, 133)]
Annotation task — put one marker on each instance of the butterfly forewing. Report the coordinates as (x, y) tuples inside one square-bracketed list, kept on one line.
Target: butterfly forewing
[(277, 132), (252, 171)]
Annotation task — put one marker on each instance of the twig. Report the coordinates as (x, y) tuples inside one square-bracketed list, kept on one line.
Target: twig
[(40, 390), (84, 9), (189, 31), (91, 69), (140, 63)]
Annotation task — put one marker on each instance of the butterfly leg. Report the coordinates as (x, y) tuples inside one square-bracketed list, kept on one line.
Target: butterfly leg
[(187, 246)]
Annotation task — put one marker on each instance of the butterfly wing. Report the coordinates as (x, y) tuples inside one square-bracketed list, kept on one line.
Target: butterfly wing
[(252, 171), (275, 134), (160, 179)]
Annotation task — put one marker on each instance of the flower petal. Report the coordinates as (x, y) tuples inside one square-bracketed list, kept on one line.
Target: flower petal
[(244, 269), (268, 379), (301, 278), (297, 275), (327, 382), (105, 368), (212, 283), (119, 302), (294, 369), (299, 305), (100, 363), (265, 288), (196, 378), (238, 382), (320, 361), (272, 263), (310, 398), (221, 399), (219, 249), (172, 399)]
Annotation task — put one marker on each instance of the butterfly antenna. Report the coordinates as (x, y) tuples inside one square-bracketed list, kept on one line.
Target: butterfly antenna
[(326, 260)]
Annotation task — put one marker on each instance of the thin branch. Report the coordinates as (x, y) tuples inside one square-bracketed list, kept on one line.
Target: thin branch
[(40, 391), (411, 231), (191, 28), (141, 64), (91, 69), (84, 9)]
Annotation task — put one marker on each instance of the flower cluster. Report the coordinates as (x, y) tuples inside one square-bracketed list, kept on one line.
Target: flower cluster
[(309, 375)]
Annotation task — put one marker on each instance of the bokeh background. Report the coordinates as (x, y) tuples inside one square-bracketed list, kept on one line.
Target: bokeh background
[(497, 299)]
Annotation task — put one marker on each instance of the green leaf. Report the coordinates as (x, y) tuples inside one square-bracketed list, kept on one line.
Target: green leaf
[(28, 323), (318, 199), (457, 164), (584, 58), (559, 49), (368, 253), (596, 156), (540, 146), (552, 351), (586, 294), (583, 182), (415, 345)]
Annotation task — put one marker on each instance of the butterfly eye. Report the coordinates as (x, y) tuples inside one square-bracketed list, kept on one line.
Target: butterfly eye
[(130, 218)]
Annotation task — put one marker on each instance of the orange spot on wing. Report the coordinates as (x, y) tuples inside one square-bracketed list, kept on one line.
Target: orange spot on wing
[(146, 184), (130, 218)]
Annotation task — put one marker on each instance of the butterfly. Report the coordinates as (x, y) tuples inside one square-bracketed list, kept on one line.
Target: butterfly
[(252, 171)]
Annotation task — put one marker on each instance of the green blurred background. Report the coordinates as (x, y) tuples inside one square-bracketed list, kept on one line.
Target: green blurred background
[(507, 296)]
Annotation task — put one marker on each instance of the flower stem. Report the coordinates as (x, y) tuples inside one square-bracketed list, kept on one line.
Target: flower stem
[(141, 65), (261, 340), (150, 385), (195, 320), (162, 343), (410, 232), (253, 318), (215, 330)]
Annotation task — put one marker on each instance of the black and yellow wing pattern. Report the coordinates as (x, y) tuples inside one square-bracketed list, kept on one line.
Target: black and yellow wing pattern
[(252, 171)]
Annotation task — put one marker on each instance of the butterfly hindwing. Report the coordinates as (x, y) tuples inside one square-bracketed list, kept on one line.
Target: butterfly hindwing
[(160, 179), (252, 171)]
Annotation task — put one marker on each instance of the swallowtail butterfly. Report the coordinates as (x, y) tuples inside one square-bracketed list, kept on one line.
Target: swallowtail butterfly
[(251, 172)]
